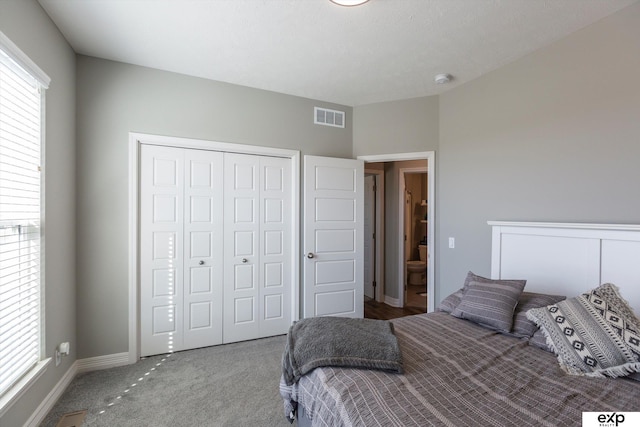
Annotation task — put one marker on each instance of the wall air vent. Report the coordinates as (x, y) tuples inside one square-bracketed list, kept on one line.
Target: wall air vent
[(326, 117)]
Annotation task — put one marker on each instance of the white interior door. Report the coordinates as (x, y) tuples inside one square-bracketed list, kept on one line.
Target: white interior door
[(258, 246), (241, 241), (369, 233), (203, 245), (181, 249), (333, 237), (275, 285), (161, 249)]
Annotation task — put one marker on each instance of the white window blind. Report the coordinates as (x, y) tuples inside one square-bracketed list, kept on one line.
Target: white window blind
[(21, 96)]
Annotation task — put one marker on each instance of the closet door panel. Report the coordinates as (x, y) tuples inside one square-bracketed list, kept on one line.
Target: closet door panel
[(161, 249), (241, 242), (275, 246), (203, 248)]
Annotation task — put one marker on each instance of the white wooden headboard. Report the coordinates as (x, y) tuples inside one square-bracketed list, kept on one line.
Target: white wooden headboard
[(568, 259)]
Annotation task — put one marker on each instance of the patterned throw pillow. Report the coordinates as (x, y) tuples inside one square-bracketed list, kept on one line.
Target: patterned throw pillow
[(490, 304), (595, 334)]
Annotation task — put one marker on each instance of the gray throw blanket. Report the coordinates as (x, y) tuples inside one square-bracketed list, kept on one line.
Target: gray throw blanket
[(341, 342)]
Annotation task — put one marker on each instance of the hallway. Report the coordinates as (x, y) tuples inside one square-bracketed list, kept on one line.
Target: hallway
[(416, 304)]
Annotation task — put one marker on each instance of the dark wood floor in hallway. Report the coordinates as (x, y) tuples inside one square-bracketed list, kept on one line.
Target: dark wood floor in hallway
[(416, 304)]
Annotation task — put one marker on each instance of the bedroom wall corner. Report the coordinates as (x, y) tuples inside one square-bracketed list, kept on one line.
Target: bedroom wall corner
[(550, 137), (27, 25)]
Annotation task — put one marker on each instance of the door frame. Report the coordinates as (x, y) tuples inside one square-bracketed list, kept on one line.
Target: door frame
[(379, 226), (430, 156), (135, 141), (402, 208)]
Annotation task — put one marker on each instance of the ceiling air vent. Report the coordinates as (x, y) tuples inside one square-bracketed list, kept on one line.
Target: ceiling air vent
[(324, 116)]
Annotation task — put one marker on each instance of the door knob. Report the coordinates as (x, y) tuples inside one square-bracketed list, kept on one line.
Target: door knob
[(310, 255), (201, 262), (244, 260)]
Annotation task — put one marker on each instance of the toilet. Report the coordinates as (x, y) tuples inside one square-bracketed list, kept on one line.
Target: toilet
[(417, 270)]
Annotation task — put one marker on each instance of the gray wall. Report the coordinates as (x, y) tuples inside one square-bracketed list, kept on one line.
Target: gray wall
[(554, 136), (114, 99), (406, 126), (26, 24)]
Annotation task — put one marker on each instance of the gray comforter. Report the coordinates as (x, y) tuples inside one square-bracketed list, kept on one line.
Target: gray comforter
[(457, 373), (339, 342)]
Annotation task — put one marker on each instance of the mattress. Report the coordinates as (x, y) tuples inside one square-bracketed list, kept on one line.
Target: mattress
[(458, 373)]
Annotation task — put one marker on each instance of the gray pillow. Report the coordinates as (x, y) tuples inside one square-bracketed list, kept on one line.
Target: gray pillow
[(451, 302), (471, 277), (539, 340), (595, 334), (490, 303), (635, 376), (523, 327)]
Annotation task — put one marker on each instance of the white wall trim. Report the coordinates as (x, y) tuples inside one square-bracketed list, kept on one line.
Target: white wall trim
[(393, 302), (135, 141), (56, 392), (78, 367), (14, 393), (21, 58), (431, 235), (395, 157), (203, 144), (102, 362)]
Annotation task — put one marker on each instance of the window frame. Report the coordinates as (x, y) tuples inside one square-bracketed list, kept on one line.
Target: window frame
[(14, 392)]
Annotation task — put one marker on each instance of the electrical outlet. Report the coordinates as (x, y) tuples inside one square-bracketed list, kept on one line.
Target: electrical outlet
[(452, 242), (61, 350)]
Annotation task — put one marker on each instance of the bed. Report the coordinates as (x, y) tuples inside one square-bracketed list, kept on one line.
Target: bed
[(459, 371)]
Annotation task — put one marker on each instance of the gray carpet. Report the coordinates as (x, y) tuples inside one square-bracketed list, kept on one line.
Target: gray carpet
[(227, 385)]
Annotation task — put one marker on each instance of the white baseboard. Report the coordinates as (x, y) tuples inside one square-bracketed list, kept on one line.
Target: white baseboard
[(79, 366), (102, 362), (393, 302), (45, 406)]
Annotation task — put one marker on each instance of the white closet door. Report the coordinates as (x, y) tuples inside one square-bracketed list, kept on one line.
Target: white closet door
[(161, 249), (241, 242), (275, 246), (333, 237), (203, 244)]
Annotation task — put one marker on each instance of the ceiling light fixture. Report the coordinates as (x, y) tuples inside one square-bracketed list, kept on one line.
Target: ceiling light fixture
[(349, 2), (442, 78)]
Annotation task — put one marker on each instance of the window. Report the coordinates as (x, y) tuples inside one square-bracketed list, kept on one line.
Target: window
[(22, 86)]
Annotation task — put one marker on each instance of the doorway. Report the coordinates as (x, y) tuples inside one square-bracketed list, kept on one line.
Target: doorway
[(390, 273), (412, 232)]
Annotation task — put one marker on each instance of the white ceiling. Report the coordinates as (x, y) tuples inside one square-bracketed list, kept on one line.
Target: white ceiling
[(381, 51)]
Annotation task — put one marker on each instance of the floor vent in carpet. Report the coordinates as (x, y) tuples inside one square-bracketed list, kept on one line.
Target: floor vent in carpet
[(72, 419)]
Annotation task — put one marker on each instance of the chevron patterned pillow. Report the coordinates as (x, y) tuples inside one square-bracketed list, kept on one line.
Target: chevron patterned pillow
[(595, 334)]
